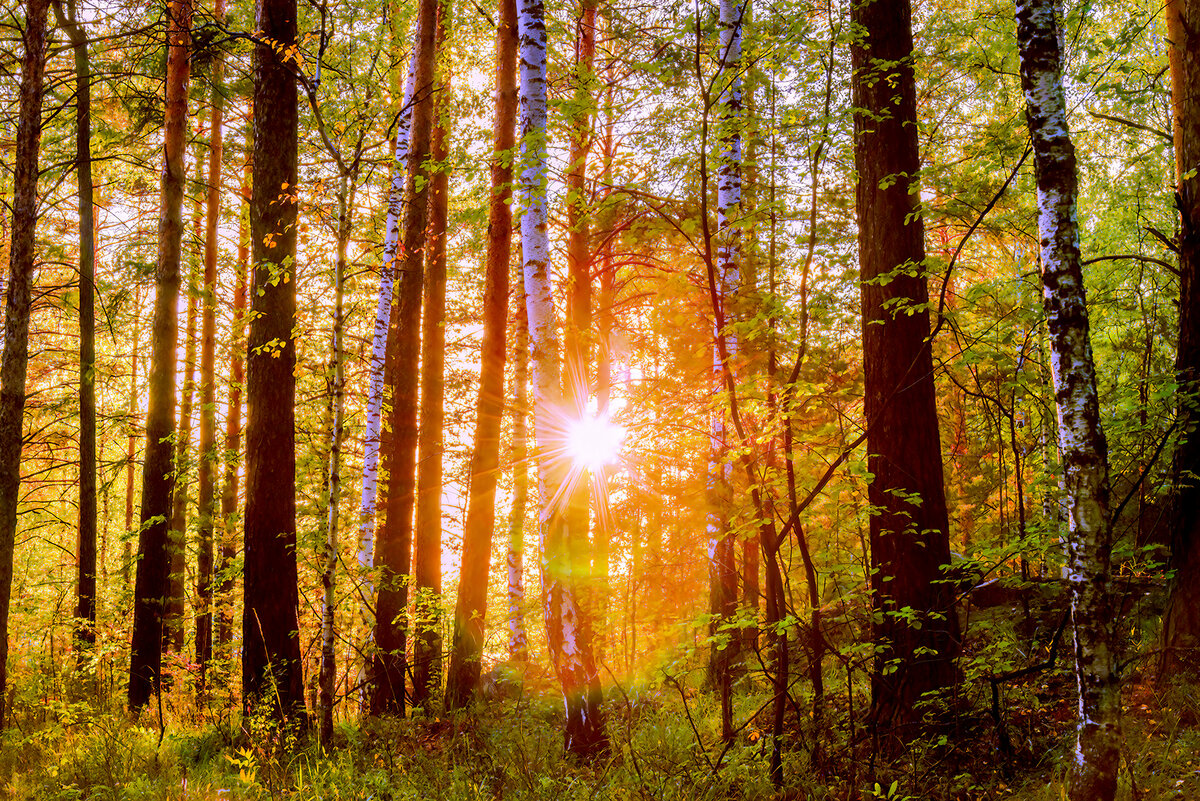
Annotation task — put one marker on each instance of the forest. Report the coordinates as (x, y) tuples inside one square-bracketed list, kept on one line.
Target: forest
[(630, 399)]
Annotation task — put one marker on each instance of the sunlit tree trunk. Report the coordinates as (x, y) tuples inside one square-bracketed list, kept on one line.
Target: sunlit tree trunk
[(1181, 621), (158, 471), (17, 299), (427, 559), (131, 440), (470, 612), (570, 650), (85, 605), (394, 547), (207, 466), (514, 558), (271, 664), (916, 630), (1082, 445)]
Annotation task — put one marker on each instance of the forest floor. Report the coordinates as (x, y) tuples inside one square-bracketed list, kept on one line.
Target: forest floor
[(664, 746)]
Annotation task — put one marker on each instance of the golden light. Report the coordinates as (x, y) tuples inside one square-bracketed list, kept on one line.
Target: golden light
[(594, 441)]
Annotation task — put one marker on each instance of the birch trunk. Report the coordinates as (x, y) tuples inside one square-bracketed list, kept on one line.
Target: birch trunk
[(17, 300), (518, 639), (1081, 437), (570, 650), (470, 612), (158, 471)]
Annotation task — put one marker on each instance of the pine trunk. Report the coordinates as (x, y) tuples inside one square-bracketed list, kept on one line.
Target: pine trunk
[(916, 630), (271, 664), (158, 471), (1082, 445), (470, 613), (17, 301)]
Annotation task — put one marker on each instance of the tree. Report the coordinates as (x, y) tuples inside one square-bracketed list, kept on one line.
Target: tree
[(1082, 446), (394, 549), (158, 473), (1181, 620), (85, 607), (17, 296), (271, 665), (570, 649), (470, 612), (916, 630)]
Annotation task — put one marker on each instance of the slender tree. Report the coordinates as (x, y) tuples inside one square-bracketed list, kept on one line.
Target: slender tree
[(1181, 621), (470, 612), (85, 606), (1082, 446), (394, 550), (17, 300), (916, 630), (514, 558), (158, 471), (271, 664)]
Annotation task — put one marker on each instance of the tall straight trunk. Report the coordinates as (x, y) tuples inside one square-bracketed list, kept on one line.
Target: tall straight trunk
[(383, 312), (17, 301), (1082, 445), (206, 469), (158, 470), (233, 431), (916, 631), (514, 558), (570, 650), (271, 666), (470, 612), (394, 548), (85, 604), (328, 670), (1181, 621), (427, 552), (131, 441), (723, 573)]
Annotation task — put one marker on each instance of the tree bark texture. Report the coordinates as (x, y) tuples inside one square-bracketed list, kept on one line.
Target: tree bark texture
[(514, 559), (394, 548), (470, 612), (1082, 446), (271, 665), (916, 630), (158, 471), (17, 301)]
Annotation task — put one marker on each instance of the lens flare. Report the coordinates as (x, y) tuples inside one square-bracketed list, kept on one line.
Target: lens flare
[(594, 442)]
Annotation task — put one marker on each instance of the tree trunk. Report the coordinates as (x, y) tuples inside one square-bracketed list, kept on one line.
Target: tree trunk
[(470, 613), (427, 561), (17, 300), (131, 440), (1081, 439), (158, 470), (393, 553), (1181, 621), (85, 605), (570, 650), (206, 469), (271, 666), (328, 671), (916, 631), (514, 560)]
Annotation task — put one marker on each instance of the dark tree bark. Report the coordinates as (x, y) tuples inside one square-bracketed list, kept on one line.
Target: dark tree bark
[(17, 300), (207, 467), (1181, 621), (272, 672), (1082, 446), (470, 613), (158, 471), (85, 604), (916, 631), (427, 561), (394, 550)]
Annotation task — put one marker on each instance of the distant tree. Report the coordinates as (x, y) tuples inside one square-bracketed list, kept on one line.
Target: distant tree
[(17, 296), (158, 473)]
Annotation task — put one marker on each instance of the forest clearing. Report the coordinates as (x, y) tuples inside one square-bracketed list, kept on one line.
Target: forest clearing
[(586, 400)]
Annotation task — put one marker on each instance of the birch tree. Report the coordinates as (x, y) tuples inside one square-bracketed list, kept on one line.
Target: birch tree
[(1082, 446)]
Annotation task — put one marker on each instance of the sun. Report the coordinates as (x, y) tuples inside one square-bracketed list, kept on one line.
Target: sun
[(594, 441)]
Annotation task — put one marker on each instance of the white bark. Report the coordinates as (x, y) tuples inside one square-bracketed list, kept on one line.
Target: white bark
[(1080, 435)]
